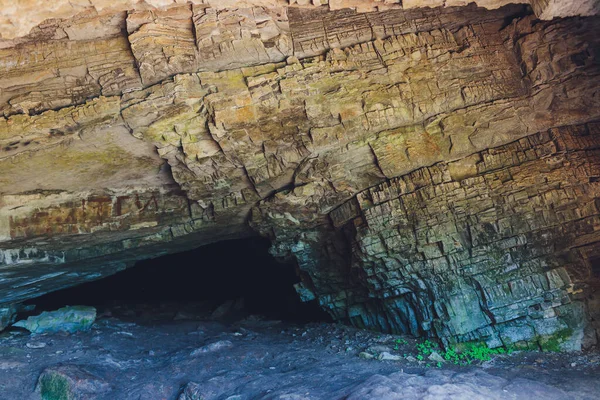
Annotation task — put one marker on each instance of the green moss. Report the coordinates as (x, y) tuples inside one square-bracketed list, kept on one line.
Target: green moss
[(524, 345), (54, 387), (554, 342), (551, 343)]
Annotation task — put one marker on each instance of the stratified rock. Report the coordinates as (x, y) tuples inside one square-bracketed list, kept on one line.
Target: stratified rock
[(67, 319), (70, 382), (433, 170), (466, 257), (26, 14)]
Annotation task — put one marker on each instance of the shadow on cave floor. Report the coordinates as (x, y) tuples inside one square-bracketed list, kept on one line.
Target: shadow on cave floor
[(225, 280), (157, 337)]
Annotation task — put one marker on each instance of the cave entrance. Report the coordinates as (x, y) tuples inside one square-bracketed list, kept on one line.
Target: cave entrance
[(228, 279)]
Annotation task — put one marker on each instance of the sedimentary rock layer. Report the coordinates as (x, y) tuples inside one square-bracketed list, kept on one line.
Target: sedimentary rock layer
[(499, 245), (421, 164)]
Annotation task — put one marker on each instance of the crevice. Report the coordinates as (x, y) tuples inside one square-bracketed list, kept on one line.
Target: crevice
[(376, 161)]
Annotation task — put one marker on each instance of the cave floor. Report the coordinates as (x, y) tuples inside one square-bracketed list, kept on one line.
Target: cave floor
[(136, 356)]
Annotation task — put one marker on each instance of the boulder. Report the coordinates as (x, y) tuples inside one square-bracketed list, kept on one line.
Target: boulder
[(70, 382), (67, 319)]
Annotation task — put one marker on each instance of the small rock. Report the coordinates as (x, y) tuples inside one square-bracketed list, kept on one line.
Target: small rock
[(209, 348), (36, 345), (410, 358), (378, 349), (365, 355), (434, 356), (66, 319), (573, 364), (70, 382), (385, 356)]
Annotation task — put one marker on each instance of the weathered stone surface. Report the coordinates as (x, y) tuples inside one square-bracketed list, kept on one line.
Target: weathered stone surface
[(70, 382), (432, 170), (17, 19), (501, 255), (8, 314), (62, 66), (548, 9), (67, 319)]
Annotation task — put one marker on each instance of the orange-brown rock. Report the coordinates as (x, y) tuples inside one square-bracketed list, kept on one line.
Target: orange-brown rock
[(421, 164)]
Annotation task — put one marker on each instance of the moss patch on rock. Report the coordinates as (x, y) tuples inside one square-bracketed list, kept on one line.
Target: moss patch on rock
[(54, 387)]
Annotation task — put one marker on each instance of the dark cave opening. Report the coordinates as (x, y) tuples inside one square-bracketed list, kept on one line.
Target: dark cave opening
[(237, 274)]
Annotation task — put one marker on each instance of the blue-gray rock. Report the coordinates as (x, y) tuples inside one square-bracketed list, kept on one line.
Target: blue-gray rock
[(70, 382), (67, 319)]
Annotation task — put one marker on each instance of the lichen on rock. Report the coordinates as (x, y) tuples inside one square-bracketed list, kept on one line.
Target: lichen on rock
[(67, 319), (433, 170)]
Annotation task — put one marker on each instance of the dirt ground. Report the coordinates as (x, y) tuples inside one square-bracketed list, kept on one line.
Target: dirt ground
[(149, 353)]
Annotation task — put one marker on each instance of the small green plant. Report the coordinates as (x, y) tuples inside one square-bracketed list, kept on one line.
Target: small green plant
[(399, 342), (461, 354), (470, 352), (427, 347), (439, 364)]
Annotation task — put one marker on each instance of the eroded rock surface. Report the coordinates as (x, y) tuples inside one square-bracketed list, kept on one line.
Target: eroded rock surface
[(434, 171), (150, 359), (67, 319)]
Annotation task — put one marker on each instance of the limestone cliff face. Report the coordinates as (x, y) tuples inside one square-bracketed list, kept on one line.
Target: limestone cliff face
[(432, 170)]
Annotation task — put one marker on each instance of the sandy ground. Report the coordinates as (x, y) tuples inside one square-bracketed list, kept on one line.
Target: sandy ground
[(152, 355)]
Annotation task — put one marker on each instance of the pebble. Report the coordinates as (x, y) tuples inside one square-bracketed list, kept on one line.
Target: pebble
[(379, 349), (434, 356), (385, 356), (365, 355), (36, 345)]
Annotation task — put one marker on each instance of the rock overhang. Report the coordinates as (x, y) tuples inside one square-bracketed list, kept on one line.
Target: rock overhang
[(128, 135)]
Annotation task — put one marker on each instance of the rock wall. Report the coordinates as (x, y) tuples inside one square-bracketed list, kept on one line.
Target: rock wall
[(18, 18), (130, 135), (500, 246)]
